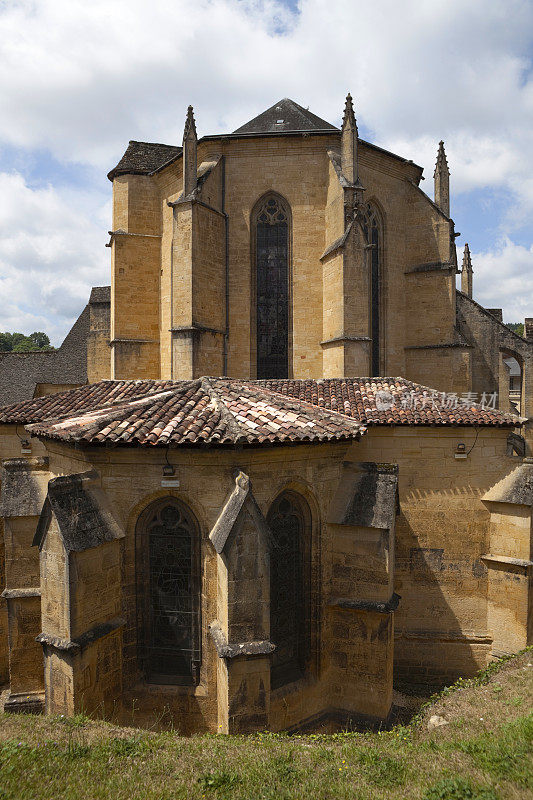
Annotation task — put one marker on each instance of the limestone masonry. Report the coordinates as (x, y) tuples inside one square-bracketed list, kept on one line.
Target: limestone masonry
[(276, 545)]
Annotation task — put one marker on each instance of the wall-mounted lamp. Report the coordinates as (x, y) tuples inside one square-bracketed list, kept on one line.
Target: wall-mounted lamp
[(460, 450), (169, 479)]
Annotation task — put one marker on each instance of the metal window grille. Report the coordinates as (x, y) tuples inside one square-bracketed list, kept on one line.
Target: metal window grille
[(290, 562), (168, 567), (272, 266)]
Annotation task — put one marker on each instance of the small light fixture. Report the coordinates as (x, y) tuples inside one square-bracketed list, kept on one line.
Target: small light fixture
[(169, 479), (460, 450)]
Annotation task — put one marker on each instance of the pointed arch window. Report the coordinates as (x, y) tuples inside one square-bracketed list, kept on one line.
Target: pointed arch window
[(271, 222), (168, 586), (289, 520), (372, 229)]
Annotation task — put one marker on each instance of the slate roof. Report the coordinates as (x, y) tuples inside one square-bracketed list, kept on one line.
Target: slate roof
[(21, 372), (218, 411), (143, 158), (100, 294), (285, 115)]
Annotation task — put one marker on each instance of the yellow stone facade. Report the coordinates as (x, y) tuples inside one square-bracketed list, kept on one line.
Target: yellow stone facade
[(428, 587)]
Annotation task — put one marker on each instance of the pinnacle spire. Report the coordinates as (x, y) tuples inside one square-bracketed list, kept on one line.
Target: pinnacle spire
[(467, 272), (442, 181), (348, 118), (467, 260), (190, 165), (349, 137), (442, 161), (190, 125)]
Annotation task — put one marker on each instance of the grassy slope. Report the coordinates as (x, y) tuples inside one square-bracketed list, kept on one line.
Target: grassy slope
[(485, 752)]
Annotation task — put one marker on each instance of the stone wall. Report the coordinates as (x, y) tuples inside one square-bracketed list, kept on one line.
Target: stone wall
[(441, 624), (10, 447), (441, 533), (174, 259)]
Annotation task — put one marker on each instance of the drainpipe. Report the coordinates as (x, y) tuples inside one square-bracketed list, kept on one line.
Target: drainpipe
[(226, 222)]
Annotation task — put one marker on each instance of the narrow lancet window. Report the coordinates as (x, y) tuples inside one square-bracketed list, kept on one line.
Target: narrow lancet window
[(289, 523), (168, 580), (272, 281)]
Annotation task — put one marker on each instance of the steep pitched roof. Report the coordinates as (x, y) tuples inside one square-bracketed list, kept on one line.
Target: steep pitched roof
[(285, 115), (100, 294), (143, 158), (21, 372)]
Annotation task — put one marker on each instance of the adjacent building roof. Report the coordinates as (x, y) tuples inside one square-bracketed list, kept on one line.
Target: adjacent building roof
[(100, 294), (21, 372), (285, 115), (223, 411)]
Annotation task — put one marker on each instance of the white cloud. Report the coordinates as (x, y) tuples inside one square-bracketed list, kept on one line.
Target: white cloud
[(80, 79), (501, 277), (51, 253)]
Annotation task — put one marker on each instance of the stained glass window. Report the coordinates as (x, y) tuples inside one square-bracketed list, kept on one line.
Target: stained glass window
[(272, 267), (169, 583), (372, 232), (288, 520)]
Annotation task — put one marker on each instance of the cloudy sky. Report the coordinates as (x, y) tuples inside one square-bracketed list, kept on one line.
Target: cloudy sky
[(79, 79)]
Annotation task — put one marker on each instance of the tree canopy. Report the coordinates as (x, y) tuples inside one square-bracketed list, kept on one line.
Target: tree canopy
[(20, 343), (517, 327)]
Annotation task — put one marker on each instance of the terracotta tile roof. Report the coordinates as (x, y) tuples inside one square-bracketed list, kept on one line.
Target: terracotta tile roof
[(217, 411), (210, 411), (391, 401), (75, 401)]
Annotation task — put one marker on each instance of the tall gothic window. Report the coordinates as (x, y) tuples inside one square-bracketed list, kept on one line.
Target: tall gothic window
[(168, 585), (371, 228), (289, 520), (272, 281)]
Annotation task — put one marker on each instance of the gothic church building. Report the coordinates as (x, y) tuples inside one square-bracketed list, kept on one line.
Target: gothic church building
[(270, 547)]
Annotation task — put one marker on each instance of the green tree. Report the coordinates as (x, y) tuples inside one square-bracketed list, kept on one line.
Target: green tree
[(19, 343), (40, 339), (517, 327), (5, 343)]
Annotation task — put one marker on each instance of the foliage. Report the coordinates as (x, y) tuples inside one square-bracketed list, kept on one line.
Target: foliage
[(19, 343), (517, 327)]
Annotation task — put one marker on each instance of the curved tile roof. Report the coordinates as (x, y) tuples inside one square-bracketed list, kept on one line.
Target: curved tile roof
[(211, 411), (218, 411), (391, 401)]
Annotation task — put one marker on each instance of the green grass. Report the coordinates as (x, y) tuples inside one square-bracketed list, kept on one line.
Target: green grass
[(485, 753)]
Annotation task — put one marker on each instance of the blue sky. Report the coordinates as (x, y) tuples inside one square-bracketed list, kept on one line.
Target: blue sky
[(81, 79)]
